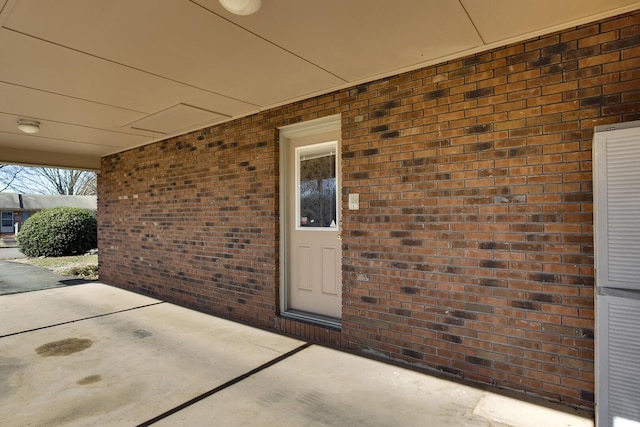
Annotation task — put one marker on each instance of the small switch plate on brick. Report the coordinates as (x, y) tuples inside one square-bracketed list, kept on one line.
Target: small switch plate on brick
[(354, 201)]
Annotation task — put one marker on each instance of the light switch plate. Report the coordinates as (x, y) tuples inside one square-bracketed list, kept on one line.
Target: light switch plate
[(354, 201)]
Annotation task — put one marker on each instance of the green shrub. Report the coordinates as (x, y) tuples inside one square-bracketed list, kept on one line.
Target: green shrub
[(58, 232)]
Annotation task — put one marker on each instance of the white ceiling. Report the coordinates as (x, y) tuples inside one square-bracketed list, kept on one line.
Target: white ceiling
[(106, 75)]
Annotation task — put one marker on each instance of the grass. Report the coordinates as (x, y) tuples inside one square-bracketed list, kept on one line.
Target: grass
[(62, 261), (85, 266)]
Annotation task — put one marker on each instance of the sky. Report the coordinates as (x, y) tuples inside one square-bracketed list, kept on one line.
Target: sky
[(27, 180)]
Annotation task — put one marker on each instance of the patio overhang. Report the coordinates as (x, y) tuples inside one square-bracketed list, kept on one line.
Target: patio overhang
[(103, 77)]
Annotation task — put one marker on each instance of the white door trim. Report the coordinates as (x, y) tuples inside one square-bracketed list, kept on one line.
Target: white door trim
[(297, 130)]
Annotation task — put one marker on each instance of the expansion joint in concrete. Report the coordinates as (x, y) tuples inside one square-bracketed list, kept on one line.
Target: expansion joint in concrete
[(226, 385), (81, 320)]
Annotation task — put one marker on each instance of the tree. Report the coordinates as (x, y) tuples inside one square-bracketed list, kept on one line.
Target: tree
[(8, 174), (39, 180)]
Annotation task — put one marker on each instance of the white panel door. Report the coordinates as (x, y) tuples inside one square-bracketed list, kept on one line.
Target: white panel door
[(313, 245)]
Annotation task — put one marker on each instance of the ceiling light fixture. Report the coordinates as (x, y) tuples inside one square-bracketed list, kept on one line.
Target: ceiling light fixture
[(241, 7), (29, 126)]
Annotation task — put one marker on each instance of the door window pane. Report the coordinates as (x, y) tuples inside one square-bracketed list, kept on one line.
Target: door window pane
[(317, 197)]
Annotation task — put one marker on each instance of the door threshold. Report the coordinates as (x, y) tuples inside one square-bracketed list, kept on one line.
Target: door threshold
[(318, 319)]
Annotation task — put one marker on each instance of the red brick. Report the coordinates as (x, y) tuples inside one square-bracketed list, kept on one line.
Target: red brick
[(579, 33), (598, 39), (475, 226), (624, 21), (600, 59), (560, 87)]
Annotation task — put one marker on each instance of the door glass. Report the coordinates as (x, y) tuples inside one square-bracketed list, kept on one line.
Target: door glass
[(316, 201)]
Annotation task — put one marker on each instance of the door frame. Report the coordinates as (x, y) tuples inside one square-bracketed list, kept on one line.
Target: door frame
[(311, 127)]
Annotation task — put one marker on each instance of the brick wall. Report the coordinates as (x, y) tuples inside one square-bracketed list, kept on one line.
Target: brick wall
[(472, 251)]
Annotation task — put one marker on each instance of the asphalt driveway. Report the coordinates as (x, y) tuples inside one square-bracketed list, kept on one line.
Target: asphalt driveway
[(17, 277), (10, 253)]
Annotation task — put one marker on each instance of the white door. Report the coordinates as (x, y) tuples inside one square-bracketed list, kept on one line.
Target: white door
[(311, 223)]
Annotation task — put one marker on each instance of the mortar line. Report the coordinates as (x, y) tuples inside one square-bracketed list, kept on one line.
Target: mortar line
[(225, 385), (80, 320)]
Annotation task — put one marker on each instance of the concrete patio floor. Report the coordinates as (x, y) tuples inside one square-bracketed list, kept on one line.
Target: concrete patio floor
[(93, 354)]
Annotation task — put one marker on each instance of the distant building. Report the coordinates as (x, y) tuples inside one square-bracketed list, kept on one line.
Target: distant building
[(16, 208)]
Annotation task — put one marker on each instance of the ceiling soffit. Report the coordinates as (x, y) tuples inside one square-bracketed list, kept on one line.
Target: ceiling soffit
[(105, 76)]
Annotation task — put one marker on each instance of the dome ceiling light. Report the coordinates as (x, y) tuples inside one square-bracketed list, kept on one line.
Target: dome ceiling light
[(29, 126), (241, 7)]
